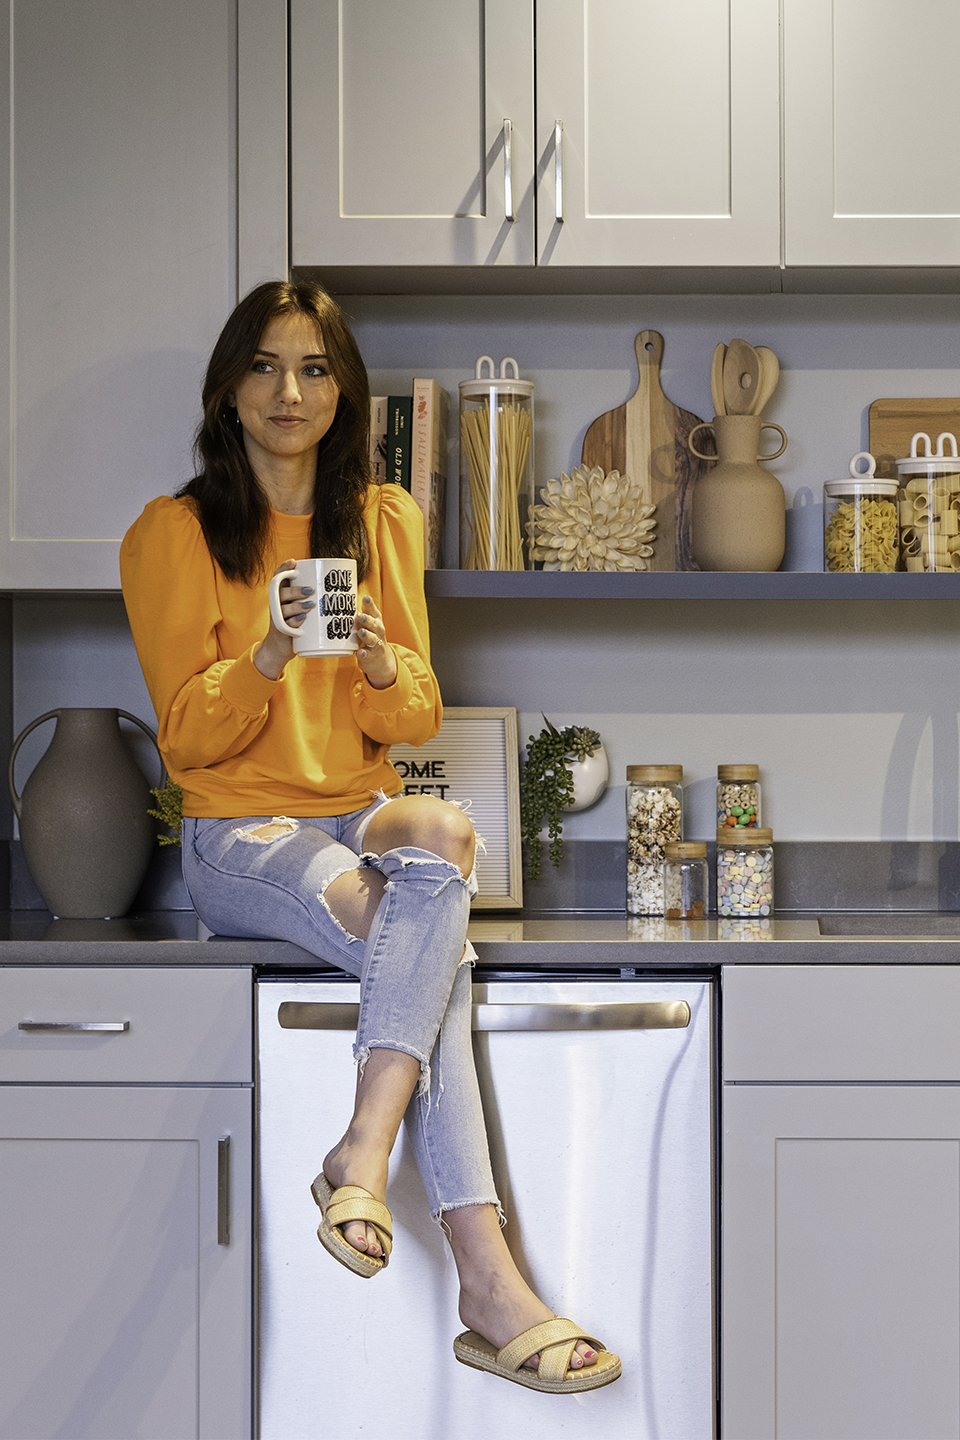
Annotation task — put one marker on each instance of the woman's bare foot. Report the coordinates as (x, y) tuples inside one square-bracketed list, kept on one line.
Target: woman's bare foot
[(362, 1157), (495, 1300), (354, 1164)]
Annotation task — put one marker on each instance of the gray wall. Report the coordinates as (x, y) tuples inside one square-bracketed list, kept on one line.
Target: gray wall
[(850, 709)]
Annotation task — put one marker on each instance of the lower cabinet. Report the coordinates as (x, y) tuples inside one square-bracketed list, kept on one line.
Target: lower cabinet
[(841, 1203), (126, 1208)]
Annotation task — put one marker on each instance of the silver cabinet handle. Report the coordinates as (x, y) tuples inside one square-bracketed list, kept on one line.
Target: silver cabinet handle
[(558, 168), (74, 1027), (508, 169), (223, 1191), (635, 1015)]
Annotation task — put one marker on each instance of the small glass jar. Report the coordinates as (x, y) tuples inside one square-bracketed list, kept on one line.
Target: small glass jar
[(860, 521), (686, 884), (929, 504), (738, 797), (654, 817), (744, 872), (496, 468)]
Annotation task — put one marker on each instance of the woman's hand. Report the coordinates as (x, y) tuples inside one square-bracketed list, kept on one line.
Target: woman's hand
[(276, 648), (375, 657)]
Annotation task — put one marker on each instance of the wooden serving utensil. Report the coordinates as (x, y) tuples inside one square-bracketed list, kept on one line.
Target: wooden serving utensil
[(741, 375), (716, 380), (769, 375)]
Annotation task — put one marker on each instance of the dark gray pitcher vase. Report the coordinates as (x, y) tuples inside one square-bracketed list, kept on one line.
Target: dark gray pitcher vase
[(87, 838)]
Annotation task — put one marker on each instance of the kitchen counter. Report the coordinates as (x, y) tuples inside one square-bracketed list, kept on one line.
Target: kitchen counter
[(587, 941)]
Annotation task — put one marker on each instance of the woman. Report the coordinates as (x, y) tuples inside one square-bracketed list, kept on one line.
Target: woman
[(296, 827)]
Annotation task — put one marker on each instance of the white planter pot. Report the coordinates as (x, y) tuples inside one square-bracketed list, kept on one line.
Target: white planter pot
[(590, 778)]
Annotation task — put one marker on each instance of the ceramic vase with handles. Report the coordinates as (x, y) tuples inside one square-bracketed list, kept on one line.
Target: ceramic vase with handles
[(87, 838), (739, 511)]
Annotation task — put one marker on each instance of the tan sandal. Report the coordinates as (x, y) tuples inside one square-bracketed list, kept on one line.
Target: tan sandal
[(340, 1207), (556, 1340)]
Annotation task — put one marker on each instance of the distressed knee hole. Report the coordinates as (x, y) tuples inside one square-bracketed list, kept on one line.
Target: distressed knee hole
[(267, 832)]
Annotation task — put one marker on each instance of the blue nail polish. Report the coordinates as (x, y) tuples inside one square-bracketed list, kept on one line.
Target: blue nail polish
[(367, 600), (306, 590)]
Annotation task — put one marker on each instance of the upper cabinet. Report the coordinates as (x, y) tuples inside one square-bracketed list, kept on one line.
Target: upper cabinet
[(415, 140), (118, 245), (623, 133), (412, 132), (871, 164), (658, 132)]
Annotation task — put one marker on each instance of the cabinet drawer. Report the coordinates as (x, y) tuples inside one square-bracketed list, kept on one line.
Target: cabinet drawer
[(841, 1022), (158, 1026)]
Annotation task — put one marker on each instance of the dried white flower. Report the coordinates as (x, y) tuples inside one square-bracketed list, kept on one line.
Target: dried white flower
[(591, 521)]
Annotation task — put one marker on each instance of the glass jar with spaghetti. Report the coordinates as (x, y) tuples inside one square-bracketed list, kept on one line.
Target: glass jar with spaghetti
[(860, 521), (496, 467), (929, 504)]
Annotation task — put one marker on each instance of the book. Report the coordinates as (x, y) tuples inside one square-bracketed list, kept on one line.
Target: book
[(399, 418), (428, 465), (378, 438)]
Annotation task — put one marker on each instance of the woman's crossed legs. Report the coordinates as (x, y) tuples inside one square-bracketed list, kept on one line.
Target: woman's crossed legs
[(495, 1300)]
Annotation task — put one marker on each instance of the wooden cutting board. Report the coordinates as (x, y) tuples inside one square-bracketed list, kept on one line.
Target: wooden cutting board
[(647, 439), (893, 424)]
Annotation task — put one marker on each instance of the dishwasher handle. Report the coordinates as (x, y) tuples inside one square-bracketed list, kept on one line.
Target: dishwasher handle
[(635, 1015)]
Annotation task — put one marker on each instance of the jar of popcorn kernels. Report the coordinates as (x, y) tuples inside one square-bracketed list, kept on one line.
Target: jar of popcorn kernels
[(654, 816), (745, 872)]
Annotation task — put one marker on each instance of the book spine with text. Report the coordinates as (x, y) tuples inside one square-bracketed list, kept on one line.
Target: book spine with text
[(378, 438), (428, 468), (399, 418)]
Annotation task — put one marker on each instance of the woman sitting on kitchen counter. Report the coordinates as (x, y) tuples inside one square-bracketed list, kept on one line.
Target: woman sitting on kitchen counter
[(295, 823)]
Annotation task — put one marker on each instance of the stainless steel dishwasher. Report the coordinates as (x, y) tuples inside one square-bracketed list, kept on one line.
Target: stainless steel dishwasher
[(599, 1103)]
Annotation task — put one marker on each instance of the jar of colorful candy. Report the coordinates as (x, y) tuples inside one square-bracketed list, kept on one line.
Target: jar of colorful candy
[(738, 797), (744, 872)]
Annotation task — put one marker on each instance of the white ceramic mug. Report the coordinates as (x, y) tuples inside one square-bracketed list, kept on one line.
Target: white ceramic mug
[(330, 627)]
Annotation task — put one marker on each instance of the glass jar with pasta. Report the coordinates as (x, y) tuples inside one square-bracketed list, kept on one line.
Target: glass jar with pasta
[(860, 530), (496, 467), (929, 504)]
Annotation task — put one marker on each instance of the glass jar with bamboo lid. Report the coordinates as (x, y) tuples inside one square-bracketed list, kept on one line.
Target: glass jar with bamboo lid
[(496, 467)]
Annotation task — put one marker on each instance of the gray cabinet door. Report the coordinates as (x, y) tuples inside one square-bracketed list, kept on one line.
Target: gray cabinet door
[(399, 135), (118, 252), (871, 163), (841, 1262), (125, 1268), (669, 132)]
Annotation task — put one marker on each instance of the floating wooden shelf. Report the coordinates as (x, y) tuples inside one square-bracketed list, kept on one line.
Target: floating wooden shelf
[(781, 585)]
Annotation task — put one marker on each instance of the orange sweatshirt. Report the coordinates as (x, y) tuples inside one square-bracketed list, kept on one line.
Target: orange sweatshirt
[(314, 742)]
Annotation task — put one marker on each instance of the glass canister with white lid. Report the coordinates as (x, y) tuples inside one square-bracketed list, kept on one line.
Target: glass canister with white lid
[(654, 817), (745, 872), (496, 467), (929, 504), (860, 532), (738, 797), (686, 883)]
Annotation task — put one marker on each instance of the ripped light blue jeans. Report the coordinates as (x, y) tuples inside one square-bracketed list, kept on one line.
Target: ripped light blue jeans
[(255, 877)]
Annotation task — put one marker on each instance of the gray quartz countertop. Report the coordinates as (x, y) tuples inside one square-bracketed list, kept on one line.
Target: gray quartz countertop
[(588, 941)]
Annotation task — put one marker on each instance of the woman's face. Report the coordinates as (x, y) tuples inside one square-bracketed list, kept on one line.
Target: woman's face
[(288, 398)]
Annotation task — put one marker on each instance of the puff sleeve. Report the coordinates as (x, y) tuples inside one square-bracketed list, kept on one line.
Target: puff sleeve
[(209, 705), (409, 710)]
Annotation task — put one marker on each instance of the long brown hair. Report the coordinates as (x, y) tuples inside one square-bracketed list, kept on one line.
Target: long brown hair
[(232, 508)]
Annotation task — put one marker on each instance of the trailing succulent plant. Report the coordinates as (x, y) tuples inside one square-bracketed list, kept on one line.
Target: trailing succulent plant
[(169, 798), (546, 786)]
